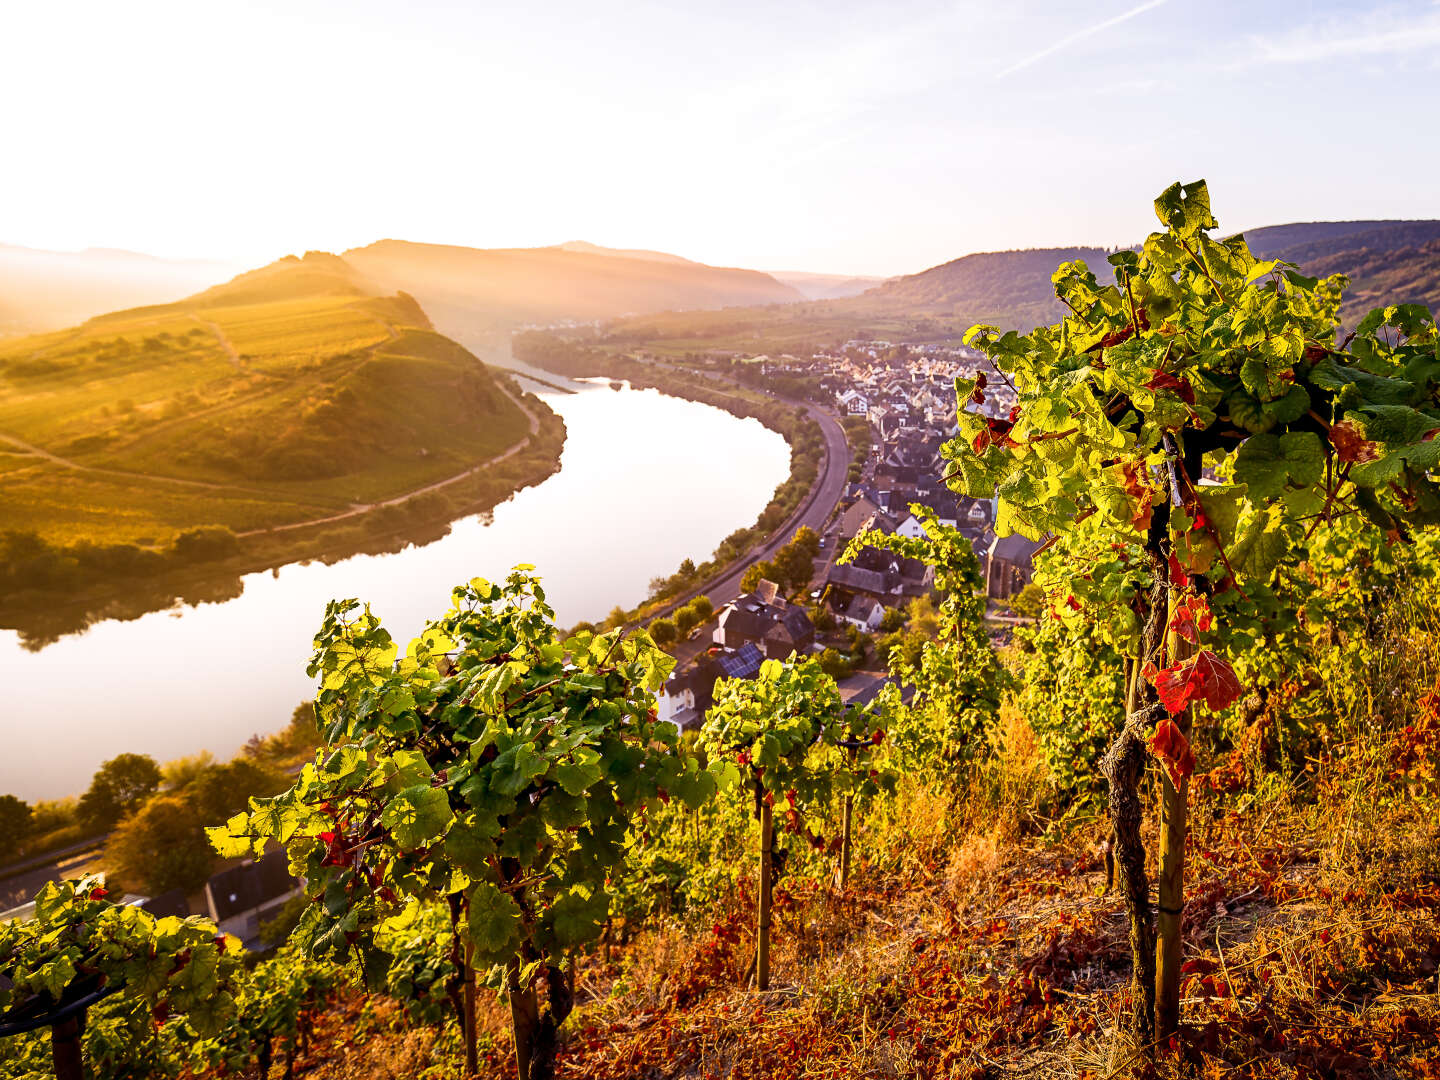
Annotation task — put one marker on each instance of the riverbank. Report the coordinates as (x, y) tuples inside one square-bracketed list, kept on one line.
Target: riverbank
[(819, 462), (211, 572)]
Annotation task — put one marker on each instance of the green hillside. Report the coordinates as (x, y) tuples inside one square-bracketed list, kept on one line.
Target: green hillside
[(287, 394)]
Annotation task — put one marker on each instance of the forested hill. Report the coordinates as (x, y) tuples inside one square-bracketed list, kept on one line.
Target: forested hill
[(1010, 288), (1391, 262), (485, 290), (1396, 260)]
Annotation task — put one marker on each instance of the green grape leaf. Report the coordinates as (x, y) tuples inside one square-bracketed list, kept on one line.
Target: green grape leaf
[(417, 815)]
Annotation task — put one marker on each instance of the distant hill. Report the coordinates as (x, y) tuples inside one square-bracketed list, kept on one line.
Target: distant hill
[(1303, 241), (1388, 262), (46, 290), (586, 248), (1009, 288), (825, 286), (474, 292)]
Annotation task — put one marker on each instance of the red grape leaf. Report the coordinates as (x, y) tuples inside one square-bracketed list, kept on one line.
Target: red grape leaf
[(1204, 677), (1350, 445), (1169, 744), (1191, 618), (1163, 380)]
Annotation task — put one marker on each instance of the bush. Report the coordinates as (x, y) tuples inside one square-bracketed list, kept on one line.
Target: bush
[(836, 665), (205, 543), (663, 632), (686, 620), (16, 823), (1029, 601)]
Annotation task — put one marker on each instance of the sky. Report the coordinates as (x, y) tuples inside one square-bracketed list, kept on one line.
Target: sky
[(866, 138)]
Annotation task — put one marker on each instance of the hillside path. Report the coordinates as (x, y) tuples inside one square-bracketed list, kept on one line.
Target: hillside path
[(231, 353), (363, 508), (66, 463)]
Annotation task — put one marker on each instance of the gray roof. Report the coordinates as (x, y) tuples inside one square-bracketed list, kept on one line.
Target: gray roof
[(856, 579), (251, 884), (743, 663)]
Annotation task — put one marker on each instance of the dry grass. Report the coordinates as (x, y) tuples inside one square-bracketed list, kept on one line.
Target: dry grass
[(970, 948)]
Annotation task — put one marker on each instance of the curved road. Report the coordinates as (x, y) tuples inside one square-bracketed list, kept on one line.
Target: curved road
[(814, 511)]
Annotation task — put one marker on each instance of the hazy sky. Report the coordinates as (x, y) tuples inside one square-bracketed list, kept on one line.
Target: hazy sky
[(851, 137)]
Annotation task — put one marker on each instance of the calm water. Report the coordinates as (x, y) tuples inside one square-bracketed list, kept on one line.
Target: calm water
[(645, 481)]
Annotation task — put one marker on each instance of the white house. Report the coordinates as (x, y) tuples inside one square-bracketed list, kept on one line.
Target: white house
[(675, 703), (864, 612), (909, 527), (854, 402)]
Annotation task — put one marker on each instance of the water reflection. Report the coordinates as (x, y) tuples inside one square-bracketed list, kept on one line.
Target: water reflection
[(645, 481)]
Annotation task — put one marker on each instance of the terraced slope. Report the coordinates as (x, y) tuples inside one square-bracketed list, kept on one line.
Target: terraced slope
[(292, 392)]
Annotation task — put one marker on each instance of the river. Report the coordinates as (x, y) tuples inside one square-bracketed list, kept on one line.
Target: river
[(645, 481)]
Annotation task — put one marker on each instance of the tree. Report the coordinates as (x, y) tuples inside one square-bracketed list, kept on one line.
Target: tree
[(662, 631), (183, 771), (1200, 359), (493, 770), (161, 846), (702, 607), (118, 788), (794, 566), (221, 790), (755, 573), (686, 619), (807, 540), (16, 821)]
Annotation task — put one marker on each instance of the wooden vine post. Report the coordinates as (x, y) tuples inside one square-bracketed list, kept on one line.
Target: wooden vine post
[(65, 1047), (767, 887), (1170, 873), (845, 826), (468, 1019)]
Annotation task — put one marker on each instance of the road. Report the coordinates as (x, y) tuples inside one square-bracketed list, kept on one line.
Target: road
[(815, 511)]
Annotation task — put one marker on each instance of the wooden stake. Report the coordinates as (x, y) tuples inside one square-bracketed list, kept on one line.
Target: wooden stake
[(767, 845), (471, 1064), (65, 1049), (524, 1017), (1170, 873)]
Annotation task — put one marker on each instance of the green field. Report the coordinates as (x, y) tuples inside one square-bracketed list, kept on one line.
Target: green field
[(291, 393)]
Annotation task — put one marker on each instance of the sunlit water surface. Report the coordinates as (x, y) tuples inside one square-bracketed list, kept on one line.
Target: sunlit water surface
[(645, 481)]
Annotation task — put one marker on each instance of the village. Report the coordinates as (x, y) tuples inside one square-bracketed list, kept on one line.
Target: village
[(903, 396)]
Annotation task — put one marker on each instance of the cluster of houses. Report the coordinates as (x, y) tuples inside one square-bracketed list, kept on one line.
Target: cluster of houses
[(907, 395), (758, 626), (898, 387)]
